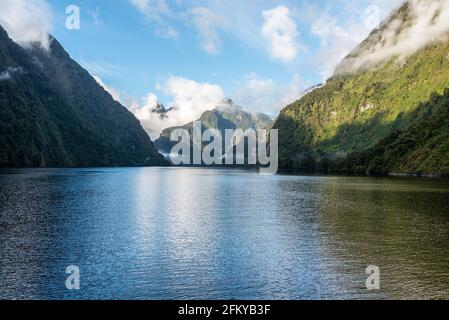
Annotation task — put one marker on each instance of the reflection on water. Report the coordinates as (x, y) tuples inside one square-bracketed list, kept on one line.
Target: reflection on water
[(149, 233)]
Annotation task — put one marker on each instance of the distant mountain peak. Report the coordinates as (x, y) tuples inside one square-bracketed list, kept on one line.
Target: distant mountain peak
[(161, 110), (227, 115)]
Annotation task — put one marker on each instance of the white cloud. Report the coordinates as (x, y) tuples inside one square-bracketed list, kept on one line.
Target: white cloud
[(142, 5), (341, 32), (281, 33), (208, 25), (143, 111), (166, 32), (157, 12), (430, 23), (151, 121), (115, 93), (27, 21), (210, 20), (190, 99), (100, 68), (265, 95), (153, 9), (336, 42)]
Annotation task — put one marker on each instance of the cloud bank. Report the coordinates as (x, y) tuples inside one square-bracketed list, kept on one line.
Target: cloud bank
[(340, 26), (9, 72), (257, 94), (27, 21), (426, 21), (190, 99)]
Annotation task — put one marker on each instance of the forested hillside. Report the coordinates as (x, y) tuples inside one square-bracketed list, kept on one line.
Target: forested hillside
[(380, 117), (54, 114)]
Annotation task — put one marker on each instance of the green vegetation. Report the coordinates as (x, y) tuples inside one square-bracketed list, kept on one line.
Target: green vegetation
[(420, 148), (53, 113), (228, 116), (392, 118)]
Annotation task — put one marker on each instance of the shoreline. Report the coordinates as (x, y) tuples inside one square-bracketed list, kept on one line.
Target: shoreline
[(389, 174), (418, 175), (280, 171)]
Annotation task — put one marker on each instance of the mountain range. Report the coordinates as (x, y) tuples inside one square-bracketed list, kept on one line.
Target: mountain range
[(385, 109), (227, 115)]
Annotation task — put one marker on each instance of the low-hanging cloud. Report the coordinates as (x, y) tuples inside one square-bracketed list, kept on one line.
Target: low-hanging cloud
[(340, 26), (9, 72), (257, 94), (27, 21), (429, 23), (190, 99)]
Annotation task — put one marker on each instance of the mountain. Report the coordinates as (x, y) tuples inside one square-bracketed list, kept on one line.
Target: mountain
[(225, 116), (161, 111), (379, 113), (53, 113)]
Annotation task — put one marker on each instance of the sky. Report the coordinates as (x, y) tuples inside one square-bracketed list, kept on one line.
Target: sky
[(190, 54)]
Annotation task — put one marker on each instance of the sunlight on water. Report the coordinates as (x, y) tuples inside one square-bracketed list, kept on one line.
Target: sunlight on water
[(152, 233)]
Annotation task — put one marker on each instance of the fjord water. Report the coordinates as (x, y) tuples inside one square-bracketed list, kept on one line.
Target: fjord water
[(174, 233)]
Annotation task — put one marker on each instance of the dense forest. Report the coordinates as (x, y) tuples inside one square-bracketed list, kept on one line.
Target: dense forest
[(54, 114)]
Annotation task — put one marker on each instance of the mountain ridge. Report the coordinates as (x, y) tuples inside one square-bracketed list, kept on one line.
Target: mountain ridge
[(343, 126), (225, 116), (54, 114)]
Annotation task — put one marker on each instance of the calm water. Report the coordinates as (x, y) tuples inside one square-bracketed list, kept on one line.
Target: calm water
[(149, 233)]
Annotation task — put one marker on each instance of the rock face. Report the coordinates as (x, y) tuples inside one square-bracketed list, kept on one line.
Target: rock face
[(53, 113), (225, 116), (375, 116)]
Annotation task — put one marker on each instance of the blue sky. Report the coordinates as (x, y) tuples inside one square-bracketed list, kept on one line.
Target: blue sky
[(189, 53), (127, 45)]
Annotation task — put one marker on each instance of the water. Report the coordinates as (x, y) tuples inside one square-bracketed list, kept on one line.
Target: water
[(153, 233)]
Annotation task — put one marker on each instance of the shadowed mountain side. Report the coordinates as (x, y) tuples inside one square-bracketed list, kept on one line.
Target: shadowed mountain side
[(54, 114)]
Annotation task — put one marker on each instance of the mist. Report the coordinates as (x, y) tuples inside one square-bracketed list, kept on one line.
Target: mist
[(27, 22), (427, 22)]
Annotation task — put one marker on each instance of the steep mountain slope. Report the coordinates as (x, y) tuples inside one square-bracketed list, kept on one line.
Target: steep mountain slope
[(53, 113), (422, 147), (225, 116), (366, 119)]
